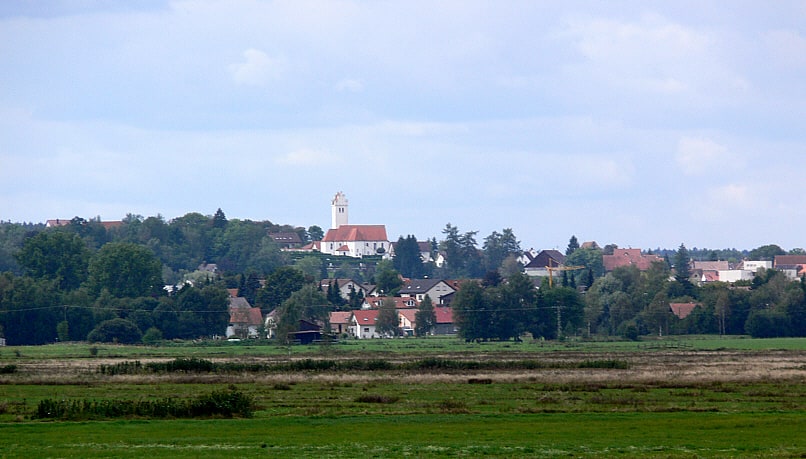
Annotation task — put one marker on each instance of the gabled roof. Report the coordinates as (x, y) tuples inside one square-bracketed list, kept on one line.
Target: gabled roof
[(340, 317), (682, 310), (444, 315), (712, 265), (547, 258), (414, 286), (239, 303), (365, 316), (246, 316), (354, 233)]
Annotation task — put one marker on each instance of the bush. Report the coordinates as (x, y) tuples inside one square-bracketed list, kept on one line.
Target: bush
[(115, 330), (152, 336)]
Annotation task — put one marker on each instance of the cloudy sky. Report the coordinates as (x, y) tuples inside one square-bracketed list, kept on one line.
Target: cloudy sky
[(645, 124)]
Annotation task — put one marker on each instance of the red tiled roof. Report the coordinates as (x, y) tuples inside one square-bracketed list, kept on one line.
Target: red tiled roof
[(682, 310), (408, 313), (340, 317), (400, 302), (444, 315), (352, 233), (627, 257), (366, 316)]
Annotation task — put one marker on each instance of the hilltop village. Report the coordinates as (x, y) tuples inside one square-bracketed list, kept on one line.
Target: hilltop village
[(207, 277)]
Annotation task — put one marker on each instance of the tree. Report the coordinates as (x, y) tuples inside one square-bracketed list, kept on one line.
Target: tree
[(573, 245), (425, 318), (125, 270), (306, 303), (470, 314), (766, 252), (498, 246), (115, 330), (315, 233), (462, 255), (388, 321), (683, 285), (387, 279), (55, 255), (280, 285), (219, 219), (408, 260)]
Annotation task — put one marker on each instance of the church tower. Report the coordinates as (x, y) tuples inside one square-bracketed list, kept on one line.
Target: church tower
[(338, 210)]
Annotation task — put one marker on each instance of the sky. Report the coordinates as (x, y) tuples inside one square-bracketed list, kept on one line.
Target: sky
[(642, 124)]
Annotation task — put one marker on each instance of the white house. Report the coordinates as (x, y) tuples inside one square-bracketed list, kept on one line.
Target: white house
[(363, 324), (735, 275)]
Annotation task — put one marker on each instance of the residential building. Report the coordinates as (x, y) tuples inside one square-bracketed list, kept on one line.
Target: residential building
[(435, 289), (629, 257)]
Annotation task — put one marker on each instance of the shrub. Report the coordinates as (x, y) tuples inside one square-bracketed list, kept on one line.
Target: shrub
[(115, 330), (8, 369), (152, 336), (377, 399)]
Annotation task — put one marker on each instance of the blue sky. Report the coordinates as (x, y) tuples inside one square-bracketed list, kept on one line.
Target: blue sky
[(644, 124)]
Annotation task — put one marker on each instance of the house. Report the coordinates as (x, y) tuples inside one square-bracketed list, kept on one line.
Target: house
[(542, 261), (211, 268), (408, 319), (444, 324), (735, 275), (286, 240), (755, 265), (345, 286), (629, 257), (526, 257), (682, 310), (340, 322), (794, 266), (343, 239), (375, 302), (432, 288), (363, 324), (244, 320)]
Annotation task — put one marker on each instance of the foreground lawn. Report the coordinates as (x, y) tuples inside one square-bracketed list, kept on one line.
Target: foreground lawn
[(545, 435)]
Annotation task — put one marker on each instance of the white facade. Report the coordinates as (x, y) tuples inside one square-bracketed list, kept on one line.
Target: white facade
[(735, 275), (754, 266)]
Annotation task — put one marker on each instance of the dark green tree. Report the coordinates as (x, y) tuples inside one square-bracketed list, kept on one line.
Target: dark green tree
[(306, 303), (125, 270), (279, 286), (219, 219), (115, 330), (315, 233), (498, 246), (425, 318), (56, 255), (573, 245), (470, 313), (766, 252), (388, 322), (387, 279), (408, 260)]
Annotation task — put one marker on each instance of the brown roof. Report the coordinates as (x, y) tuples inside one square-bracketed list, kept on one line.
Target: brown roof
[(712, 265), (408, 313), (682, 310), (352, 233), (249, 316), (789, 260), (629, 257)]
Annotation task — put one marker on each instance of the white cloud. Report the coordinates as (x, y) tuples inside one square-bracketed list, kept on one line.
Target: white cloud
[(697, 156), (258, 68)]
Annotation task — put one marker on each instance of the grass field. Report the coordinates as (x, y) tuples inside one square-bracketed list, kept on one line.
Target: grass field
[(703, 397)]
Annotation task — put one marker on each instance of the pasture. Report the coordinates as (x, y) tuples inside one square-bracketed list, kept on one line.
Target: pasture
[(703, 397)]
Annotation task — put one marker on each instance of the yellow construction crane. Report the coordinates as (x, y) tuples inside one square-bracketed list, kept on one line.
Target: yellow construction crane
[(551, 270)]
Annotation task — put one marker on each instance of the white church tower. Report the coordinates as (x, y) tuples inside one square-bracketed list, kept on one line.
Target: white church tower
[(338, 210)]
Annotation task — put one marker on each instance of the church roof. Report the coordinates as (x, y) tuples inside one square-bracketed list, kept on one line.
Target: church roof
[(354, 233)]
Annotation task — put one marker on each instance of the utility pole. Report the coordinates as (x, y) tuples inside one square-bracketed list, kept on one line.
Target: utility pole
[(559, 321)]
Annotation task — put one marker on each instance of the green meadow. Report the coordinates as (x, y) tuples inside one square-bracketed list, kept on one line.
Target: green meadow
[(702, 397)]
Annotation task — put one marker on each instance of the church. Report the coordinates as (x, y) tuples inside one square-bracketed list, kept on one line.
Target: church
[(352, 240)]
